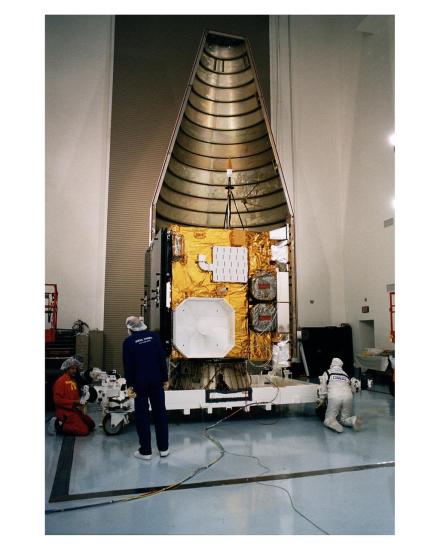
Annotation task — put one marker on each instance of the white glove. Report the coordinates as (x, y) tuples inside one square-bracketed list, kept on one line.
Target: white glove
[(85, 394)]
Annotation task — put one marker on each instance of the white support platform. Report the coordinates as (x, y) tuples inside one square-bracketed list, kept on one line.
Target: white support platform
[(282, 391)]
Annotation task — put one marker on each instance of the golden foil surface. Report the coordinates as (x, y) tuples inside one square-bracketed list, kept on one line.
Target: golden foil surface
[(189, 281)]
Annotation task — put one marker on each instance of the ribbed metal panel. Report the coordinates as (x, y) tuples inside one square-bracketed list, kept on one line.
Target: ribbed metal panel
[(152, 61), (222, 121)]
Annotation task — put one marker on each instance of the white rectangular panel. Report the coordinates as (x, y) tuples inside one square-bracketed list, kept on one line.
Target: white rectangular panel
[(282, 286), (280, 253), (279, 234), (283, 317)]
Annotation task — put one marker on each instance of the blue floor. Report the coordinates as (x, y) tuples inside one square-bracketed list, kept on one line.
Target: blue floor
[(294, 444)]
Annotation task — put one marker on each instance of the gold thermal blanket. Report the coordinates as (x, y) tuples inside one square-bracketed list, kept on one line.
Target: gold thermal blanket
[(189, 280)]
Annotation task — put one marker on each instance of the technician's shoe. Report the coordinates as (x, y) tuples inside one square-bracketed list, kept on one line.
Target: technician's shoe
[(334, 425), (137, 454), (163, 454), (357, 424)]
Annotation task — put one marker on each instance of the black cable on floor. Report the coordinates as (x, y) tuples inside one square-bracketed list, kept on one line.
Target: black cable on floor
[(273, 485), (293, 506), (250, 456)]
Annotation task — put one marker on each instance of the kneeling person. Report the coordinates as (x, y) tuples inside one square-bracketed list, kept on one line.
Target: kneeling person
[(70, 419), (338, 388)]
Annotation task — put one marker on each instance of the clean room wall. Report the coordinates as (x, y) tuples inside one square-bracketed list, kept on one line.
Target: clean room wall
[(333, 76), (79, 60)]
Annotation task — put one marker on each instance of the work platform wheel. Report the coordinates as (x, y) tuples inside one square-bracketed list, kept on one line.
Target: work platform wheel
[(108, 428)]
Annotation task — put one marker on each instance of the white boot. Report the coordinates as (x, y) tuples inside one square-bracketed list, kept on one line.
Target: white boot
[(333, 424)]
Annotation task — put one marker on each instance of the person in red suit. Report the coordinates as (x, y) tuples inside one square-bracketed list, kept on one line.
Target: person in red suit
[(68, 411)]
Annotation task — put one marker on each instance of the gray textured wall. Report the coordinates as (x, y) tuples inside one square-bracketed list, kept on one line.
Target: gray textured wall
[(153, 59)]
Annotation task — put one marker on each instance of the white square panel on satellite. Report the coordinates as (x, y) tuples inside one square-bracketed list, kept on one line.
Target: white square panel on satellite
[(230, 264)]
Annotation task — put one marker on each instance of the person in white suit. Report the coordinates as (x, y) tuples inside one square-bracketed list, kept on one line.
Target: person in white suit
[(337, 388)]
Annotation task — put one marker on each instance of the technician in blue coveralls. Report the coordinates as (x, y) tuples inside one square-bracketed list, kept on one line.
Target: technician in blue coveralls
[(146, 373)]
